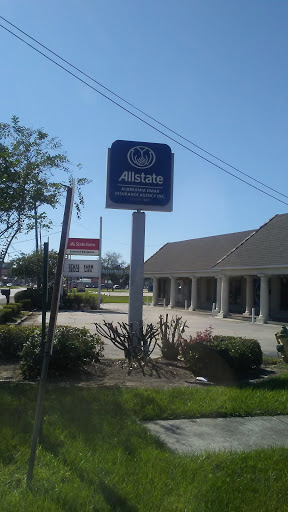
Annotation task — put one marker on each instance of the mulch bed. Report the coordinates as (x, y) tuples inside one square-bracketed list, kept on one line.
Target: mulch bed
[(157, 373)]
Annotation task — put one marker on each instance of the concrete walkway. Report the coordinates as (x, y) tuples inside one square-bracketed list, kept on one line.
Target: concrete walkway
[(218, 434)]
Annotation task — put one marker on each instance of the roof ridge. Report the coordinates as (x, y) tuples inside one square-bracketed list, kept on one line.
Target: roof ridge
[(245, 240), (209, 236)]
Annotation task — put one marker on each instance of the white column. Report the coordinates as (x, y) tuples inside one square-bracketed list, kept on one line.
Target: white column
[(224, 297), (249, 295), (155, 291), (218, 294), (172, 292), (264, 300), (194, 300)]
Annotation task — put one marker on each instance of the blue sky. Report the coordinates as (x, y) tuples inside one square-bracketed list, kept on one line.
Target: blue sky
[(216, 72)]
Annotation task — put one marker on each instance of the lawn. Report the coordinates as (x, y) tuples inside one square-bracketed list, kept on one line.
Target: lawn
[(96, 454), (109, 298)]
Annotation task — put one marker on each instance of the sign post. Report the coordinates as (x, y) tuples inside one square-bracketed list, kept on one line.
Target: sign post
[(139, 177), (136, 270), (100, 255), (51, 331)]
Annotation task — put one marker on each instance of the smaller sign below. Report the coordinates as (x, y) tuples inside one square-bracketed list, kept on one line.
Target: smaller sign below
[(81, 268), (88, 246)]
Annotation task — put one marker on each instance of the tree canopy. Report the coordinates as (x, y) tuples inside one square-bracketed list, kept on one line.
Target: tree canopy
[(34, 174), (113, 260), (29, 266)]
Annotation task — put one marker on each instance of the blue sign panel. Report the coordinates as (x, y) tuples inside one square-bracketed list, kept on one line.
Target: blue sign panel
[(140, 176)]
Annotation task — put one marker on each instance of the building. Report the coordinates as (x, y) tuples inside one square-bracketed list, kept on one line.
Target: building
[(234, 272)]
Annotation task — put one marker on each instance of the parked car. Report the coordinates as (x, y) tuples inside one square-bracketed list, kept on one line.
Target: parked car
[(116, 287)]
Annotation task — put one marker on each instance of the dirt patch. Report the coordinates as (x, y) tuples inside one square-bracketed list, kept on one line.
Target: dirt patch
[(156, 373)]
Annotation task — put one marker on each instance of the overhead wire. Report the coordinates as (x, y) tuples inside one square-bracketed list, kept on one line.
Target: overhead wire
[(141, 111), (143, 120)]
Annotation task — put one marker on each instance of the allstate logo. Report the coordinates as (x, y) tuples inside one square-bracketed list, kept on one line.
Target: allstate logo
[(141, 157)]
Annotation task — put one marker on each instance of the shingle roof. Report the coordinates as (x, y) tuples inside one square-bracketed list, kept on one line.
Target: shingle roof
[(268, 246), (193, 255)]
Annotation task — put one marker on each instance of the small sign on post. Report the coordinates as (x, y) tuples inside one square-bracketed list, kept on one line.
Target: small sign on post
[(78, 246), (81, 268)]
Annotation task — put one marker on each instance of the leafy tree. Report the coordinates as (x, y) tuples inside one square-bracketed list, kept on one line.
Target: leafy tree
[(113, 267), (113, 260), (29, 266), (32, 176)]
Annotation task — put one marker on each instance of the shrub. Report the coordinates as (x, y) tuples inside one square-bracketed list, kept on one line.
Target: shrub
[(34, 295), (136, 344), (221, 358), (26, 304), (170, 336), (73, 348), (15, 307), (77, 301), (12, 340), (5, 315)]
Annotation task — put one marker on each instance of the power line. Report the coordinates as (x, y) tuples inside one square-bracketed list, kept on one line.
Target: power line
[(141, 111), (149, 124), (46, 233)]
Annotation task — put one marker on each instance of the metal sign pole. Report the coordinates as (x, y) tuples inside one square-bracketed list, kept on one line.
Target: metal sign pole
[(136, 270), (44, 297), (99, 272), (51, 331)]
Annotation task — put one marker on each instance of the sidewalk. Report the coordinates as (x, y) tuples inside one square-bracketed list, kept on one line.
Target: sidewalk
[(194, 436)]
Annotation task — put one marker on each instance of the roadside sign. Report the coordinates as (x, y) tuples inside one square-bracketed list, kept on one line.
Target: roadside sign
[(139, 176), (81, 268), (88, 246)]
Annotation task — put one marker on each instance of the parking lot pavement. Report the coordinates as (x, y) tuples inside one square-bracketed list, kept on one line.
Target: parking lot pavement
[(196, 321)]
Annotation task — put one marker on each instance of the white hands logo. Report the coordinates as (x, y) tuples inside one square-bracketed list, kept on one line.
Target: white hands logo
[(141, 157)]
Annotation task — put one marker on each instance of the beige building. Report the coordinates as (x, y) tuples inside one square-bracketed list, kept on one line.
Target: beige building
[(234, 272)]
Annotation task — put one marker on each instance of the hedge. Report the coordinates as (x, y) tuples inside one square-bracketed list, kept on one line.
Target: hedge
[(13, 339), (223, 359), (79, 301), (35, 296)]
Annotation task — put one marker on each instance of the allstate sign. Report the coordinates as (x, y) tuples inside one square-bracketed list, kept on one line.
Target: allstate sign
[(139, 176)]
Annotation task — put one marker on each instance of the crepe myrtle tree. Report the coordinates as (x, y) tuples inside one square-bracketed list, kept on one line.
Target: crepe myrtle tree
[(34, 174)]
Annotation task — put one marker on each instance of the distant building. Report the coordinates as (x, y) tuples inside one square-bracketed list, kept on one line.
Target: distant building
[(235, 271)]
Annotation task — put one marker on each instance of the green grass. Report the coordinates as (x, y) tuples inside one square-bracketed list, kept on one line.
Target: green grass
[(110, 298), (96, 455), (123, 299)]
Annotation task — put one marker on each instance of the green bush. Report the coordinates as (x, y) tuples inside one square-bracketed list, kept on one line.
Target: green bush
[(73, 348), (242, 354), (222, 358), (12, 340), (34, 295), (15, 307), (26, 304), (5, 315), (78, 301)]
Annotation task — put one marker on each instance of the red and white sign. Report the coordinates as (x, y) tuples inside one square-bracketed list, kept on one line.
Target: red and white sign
[(83, 246)]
